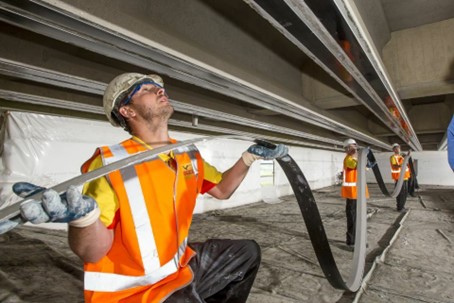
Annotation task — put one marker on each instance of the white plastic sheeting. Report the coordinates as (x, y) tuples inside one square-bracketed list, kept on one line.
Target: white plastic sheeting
[(46, 150)]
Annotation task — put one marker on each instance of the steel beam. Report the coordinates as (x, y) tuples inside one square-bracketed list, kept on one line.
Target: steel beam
[(50, 77), (57, 20), (319, 30)]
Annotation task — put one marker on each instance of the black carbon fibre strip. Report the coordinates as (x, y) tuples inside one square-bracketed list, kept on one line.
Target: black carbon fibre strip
[(377, 174), (376, 170), (314, 225), (313, 221)]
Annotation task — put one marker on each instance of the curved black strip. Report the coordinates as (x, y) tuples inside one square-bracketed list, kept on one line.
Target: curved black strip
[(313, 221), (377, 174), (314, 224), (379, 178)]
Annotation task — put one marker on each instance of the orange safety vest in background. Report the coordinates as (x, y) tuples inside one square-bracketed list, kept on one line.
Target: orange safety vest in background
[(395, 172), (149, 256), (349, 190)]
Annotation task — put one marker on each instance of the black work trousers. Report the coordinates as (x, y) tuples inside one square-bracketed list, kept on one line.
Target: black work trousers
[(412, 186), (401, 198), (350, 212), (224, 271)]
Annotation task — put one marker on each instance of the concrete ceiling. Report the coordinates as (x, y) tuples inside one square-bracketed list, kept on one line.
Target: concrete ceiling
[(233, 67)]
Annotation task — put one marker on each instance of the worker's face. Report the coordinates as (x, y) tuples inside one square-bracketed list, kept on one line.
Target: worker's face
[(351, 149), (151, 102), (396, 149)]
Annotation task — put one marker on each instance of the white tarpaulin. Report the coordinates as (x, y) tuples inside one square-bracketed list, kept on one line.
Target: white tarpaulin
[(46, 150)]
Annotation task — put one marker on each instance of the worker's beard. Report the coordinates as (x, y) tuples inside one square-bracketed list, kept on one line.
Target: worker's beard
[(161, 114)]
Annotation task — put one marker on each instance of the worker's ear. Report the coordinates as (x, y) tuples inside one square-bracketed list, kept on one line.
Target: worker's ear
[(127, 112)]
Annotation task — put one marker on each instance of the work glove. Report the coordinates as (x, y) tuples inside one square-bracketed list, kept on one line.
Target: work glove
[(70, 207), (370, 164), (257, 152)]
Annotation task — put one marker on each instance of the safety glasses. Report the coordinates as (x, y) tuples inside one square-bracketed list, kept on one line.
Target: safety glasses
[(128, 98)]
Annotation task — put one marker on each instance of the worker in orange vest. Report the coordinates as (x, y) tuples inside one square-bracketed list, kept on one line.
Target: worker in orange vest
[(349, 188), (131, 227), (396, 161)]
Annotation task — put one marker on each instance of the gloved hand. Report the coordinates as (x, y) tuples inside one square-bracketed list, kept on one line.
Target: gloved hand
[(70, 207), (370, 164), (256, 152)]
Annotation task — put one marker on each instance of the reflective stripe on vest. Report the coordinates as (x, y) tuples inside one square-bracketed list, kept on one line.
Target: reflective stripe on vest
[(344, 183), (349, 184), (153, 271), (99, 281)]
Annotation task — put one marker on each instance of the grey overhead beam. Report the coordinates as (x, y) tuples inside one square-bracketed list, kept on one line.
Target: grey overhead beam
[(353, 18), (50, 77), (443, 145), (226, 131), (57, 20), (318, 29), (75, 106), (37, 74), (50, 102)]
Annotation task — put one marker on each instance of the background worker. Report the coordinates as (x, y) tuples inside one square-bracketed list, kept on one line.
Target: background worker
[(396, 161), (131, 227), (349, 189)]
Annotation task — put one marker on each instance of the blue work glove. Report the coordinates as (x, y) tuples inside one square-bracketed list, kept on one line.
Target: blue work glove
[(70, 207), (370, 164), (256, 152)]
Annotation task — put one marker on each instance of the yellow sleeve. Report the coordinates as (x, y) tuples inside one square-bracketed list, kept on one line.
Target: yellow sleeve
[(100, 190), (351, 162), (211, 174), (394, 161)]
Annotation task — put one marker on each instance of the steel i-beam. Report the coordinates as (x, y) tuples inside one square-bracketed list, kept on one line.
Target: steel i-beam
[(318, 28)]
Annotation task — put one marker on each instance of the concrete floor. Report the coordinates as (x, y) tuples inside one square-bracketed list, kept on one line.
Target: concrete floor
[(417, 267), (36, 265)]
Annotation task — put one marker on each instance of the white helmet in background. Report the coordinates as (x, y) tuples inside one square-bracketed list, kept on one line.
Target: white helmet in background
[(395, 145), (119, 88), (349, 142)]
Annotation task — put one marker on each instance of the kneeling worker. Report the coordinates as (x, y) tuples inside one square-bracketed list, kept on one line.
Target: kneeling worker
[(131, 227)]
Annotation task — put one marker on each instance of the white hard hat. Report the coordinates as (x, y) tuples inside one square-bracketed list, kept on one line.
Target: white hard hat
[(395, 145), (119, 88), (349, 142)]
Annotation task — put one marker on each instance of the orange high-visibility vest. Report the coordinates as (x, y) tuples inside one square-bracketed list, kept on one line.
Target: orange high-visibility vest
[(149, 257), (395, 172), (349, 189)]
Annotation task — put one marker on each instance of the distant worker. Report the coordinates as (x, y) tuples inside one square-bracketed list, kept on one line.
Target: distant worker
[(450, 135), (349, 190), (396, 161), (131, 227)]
